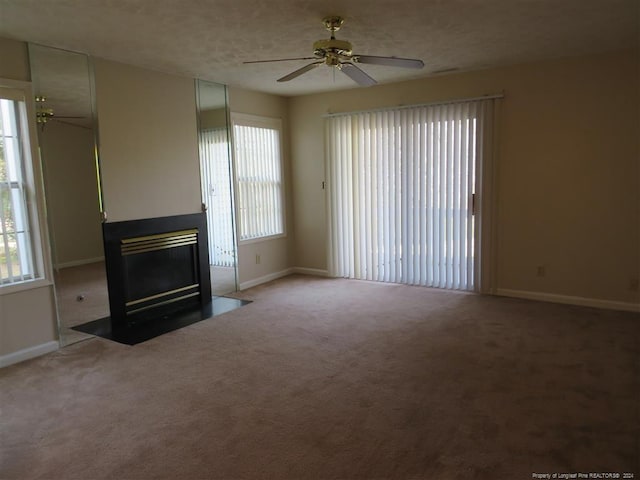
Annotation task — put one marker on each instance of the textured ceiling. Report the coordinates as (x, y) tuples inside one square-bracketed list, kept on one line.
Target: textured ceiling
[(210, 39)]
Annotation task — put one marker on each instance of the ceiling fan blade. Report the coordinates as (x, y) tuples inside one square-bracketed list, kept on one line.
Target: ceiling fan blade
[(356, 74), (388, 61), (74, 123), (300, 71), (282, 60)]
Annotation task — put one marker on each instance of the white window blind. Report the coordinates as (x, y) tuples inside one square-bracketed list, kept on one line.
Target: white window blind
[(401, 194), (215, 171), (16, 252), (259, 176)]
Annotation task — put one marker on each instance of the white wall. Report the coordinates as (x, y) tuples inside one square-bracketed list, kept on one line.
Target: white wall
[(276, 255), (568, 170)]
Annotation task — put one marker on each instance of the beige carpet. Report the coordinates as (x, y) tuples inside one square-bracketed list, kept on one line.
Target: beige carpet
[(223, 280), (330, 378), (89, 282)]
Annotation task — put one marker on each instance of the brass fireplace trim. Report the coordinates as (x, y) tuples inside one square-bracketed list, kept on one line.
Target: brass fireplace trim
[(149, 243), (166, 302), (160, 295)]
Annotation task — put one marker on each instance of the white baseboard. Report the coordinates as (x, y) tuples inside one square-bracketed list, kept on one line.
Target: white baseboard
[(283, 273), (311, 271), (265, 278), (28, 353), (581, 301), (77, 263)]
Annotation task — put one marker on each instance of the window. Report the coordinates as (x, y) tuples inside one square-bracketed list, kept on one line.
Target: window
[(17, 263), (258, 160)]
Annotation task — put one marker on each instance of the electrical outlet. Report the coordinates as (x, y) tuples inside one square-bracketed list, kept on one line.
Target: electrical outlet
[(257, 259), (541, 271), (634, 284)]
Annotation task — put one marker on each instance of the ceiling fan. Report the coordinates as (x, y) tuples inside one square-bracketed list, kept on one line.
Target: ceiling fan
[(339, 54), (45, 113)]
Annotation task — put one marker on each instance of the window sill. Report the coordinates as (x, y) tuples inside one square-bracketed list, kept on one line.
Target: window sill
[(23, 286), (262, 239)]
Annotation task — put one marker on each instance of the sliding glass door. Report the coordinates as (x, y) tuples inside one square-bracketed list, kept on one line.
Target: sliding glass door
[(402, 194)]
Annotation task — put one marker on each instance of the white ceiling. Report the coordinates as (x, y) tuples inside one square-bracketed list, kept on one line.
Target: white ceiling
[(210, 39)]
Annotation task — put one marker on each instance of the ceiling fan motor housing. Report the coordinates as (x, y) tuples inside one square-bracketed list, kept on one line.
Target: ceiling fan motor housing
[(322, 48)]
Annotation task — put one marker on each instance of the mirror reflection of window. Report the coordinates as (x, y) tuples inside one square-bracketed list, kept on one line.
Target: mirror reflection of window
[(216, 183)]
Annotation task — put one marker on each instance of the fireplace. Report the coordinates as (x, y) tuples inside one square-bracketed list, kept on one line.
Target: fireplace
[(154, 264)]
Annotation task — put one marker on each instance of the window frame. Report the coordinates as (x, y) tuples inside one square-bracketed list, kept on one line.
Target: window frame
[(33, 187), (257, 121)]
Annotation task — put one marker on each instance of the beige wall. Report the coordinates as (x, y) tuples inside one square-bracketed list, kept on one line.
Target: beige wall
[(27, 318), (568, 188), (72, 193), (214, 118), (15, 60), (276, 255), (567, 169), (148, 142)]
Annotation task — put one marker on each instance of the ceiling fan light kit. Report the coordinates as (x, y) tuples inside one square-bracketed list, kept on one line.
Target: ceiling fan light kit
[(339, 55), (45, 113)]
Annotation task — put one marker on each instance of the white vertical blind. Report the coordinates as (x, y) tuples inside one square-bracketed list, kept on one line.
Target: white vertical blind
[(401, 185), (216, 187), (259, 176)]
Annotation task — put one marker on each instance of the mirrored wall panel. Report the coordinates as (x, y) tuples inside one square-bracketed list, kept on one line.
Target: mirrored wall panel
[(63, 85), (217, 184)]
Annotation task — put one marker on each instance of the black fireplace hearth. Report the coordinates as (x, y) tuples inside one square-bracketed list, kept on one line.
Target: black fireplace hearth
[(148, 324)]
